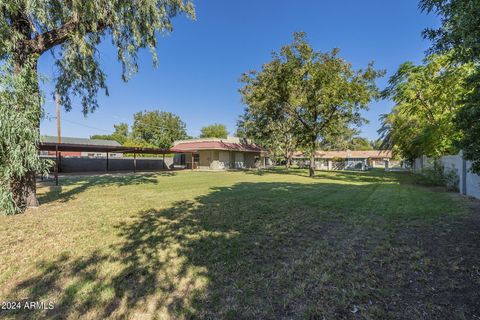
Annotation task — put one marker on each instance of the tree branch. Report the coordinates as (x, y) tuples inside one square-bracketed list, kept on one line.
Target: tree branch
[(50, 39)]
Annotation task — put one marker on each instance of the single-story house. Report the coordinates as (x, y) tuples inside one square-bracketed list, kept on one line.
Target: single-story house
[(82, 141), (345, 160), (218, 154)]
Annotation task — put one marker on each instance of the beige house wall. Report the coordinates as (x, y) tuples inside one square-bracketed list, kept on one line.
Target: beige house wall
[(224, 160)]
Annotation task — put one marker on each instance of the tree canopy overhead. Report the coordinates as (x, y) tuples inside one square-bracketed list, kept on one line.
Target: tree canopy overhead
[(427, 98), (29, 28), (460, 31)]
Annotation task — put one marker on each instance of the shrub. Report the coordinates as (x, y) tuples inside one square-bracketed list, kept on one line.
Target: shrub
[(439, 176)]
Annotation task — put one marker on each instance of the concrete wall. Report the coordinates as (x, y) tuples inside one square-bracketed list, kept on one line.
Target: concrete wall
[(469, 183), (84, 164)]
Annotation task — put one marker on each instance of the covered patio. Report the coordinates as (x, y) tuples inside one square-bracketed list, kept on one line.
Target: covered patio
[(58, 148)]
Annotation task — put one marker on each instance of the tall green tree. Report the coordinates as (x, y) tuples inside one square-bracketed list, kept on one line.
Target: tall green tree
[(427, 98), (460, 31), (30, 28), (120, 134), (158, 128), (214, 131), (266, 118), (326, 92), (320, 92)]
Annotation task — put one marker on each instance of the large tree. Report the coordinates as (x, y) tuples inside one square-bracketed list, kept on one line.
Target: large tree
[(158, 128), (327, 94), (320, 91), (30, 28), (266, 118), (427, 98), (460, 31), (214, 131)]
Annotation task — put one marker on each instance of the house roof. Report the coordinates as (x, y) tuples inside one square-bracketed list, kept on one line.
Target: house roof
[(215, 145), (347, 154), (81, 141)]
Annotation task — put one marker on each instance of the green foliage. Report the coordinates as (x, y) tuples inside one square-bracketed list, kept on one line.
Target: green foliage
[(78, 27), (30, 28), (214, 131), (139, 143), (120, 135), (459, 29), (427, 98), (158, 128), (319, 92), (19, 134), (359, 143), (468, 121), (266, 119), (441, 176), (345, 140), (376, 144)]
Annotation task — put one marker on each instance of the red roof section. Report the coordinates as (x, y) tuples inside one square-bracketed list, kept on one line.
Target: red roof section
[(215, 145)]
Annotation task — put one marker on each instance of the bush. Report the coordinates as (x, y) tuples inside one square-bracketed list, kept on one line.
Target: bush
[(452, 180), (439, 176)]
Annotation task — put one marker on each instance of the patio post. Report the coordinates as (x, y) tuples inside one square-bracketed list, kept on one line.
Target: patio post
[(134, 162), (56, 165)]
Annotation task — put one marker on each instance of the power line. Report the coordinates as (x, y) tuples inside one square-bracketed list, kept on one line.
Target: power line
[(86, 126), (110, 132)]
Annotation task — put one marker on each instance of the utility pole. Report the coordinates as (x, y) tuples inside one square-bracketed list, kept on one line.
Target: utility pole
[(59, 138), (57, 103)]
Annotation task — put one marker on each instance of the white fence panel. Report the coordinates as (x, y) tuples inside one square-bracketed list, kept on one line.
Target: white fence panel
[(469, 183), (472, 182)]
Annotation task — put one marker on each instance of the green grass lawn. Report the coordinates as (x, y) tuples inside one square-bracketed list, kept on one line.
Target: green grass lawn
[(243, 245)]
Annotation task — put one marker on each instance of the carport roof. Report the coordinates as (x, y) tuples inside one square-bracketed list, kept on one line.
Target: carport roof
[(53, 146)]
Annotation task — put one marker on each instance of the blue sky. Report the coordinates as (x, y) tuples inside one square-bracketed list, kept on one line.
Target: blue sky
[(201, 61)]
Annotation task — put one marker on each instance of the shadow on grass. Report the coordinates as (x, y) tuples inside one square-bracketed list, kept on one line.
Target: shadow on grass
[(273, 250), (372, 176), (71, 186)]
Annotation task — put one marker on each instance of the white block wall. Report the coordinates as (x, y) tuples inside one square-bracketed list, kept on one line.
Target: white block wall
[(469, 183)]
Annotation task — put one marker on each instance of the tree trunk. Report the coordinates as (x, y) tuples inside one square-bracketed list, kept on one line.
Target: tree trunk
[(287, 161), (312, 156), (312, 164), (24, 189)]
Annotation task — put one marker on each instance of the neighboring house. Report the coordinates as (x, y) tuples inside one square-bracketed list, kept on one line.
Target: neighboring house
[(218, 154), (81, 141), (345, 160)]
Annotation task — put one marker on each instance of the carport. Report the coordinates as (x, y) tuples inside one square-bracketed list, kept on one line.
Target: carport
[(70, 147)]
